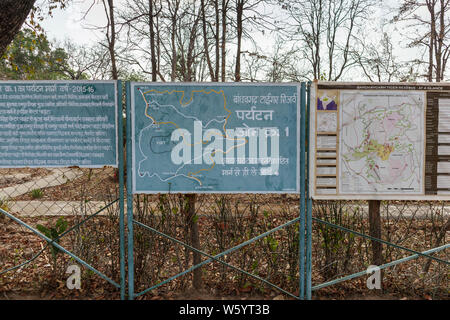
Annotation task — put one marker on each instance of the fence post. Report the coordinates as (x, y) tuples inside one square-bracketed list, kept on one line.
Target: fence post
[(129, 148), (121, 191), (302, 212), (309, 202)]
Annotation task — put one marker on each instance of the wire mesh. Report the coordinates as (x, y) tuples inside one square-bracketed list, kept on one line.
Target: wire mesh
[(417, 225), (44, 196), (223, 221), (54, 200), (226, 220)]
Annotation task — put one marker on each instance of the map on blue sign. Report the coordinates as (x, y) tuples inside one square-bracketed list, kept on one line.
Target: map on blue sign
[(215, 138)]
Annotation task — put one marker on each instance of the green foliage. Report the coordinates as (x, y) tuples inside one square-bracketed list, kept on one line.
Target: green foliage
[(272, 243), (31, 57), (42, 10), (37, 193), (4, 205), (54, 233), (337, 245)]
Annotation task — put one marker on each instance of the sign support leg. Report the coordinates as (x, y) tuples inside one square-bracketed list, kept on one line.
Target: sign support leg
[(121, 193), (195, 240), (302, 192), (308, 203), (129, 199)]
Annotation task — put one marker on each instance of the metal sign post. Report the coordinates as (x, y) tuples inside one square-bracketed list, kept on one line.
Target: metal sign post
[(130, 234), (378, 141)]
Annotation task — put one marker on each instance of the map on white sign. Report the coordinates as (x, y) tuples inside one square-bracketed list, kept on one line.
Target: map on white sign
[(382, 145)]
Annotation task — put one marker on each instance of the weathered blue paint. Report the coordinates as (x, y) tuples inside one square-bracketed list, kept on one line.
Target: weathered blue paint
[(58, 124), (215, 138)]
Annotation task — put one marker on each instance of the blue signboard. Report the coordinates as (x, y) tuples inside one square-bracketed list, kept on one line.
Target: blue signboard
[(58, 124), (215, 137)]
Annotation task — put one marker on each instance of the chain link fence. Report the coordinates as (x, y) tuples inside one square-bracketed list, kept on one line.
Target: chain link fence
[(57, 200), (227, 220), (417, 225)]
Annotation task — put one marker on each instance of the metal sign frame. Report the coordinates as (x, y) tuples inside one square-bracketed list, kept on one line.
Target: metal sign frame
[(311, 189), (430, 94), (121, 286), (211, 87), (300, 219), (304, 219)]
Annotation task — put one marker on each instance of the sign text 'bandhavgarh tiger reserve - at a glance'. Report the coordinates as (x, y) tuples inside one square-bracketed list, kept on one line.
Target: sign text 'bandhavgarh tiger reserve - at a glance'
[(380, 141)]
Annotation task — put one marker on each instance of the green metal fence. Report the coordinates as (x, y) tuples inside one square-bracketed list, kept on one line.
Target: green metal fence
[(218, 258), (82, 198), (306, 241)]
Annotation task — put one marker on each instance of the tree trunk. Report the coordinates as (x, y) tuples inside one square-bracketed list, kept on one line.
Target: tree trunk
[(205, 41), (174, 48), (12, 15), (152, 41), (195, 240), (432, 39), (112, 40), (224, 35), (217, 39), (191, 50), (440, 42)]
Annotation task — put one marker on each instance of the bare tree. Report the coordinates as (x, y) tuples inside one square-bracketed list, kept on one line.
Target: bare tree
[(86, 62), (326, 31), (253, 63), (151, 27), (108, 5), (150, 23), (206, 42), (282, 64), (429, 19), (173, 8), (378, 62), (250, 15), (239, 30), (225, 7), (109, 42), (141, 21), (226, 24), (215, 19)]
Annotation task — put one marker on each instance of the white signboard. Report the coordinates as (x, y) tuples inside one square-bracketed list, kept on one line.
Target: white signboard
[(379, 141)]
